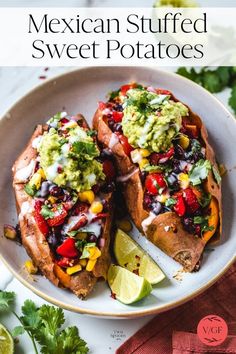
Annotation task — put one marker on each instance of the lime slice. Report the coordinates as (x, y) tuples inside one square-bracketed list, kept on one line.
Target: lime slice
[(131, 256), (6, 341), (126, 286)]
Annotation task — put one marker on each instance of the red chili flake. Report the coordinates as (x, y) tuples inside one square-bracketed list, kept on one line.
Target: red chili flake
[(136, 271), (137, 257), (113, 295), (42, 77)]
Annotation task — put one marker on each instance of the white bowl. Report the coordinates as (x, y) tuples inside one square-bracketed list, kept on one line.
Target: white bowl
[(79, 91)]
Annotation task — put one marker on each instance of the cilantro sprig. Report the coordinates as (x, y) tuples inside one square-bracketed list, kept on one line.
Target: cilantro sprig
[(214, 80), (44, 326)]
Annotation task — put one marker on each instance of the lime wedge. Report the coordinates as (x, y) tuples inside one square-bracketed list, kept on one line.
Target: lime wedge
[(131, 256), (126, 286), (6, 341)]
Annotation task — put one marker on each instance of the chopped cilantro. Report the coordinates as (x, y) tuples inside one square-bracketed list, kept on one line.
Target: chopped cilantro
[(113, 95), (80, 244), (203, 222), (91, 132), (30, 189), (205, 200), (170, 202), (87, 148), (199, 171)]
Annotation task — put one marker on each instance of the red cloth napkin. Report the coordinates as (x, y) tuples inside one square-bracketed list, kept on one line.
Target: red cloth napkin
[(174, 332)]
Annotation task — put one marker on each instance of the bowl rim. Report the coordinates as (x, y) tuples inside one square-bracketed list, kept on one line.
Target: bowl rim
[(137, 313)]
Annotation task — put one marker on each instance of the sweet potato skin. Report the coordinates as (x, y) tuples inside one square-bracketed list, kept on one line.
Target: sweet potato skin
[(179, 244), (36, 244)]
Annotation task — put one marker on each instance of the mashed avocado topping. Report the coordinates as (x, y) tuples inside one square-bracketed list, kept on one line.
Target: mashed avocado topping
[(67, 157), (151, 120)]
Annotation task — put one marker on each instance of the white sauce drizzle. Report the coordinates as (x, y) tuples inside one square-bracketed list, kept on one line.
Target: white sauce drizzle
[(36, 142), (127, 177), (25, 209), (24, 173), (146, 222), (113, 141)]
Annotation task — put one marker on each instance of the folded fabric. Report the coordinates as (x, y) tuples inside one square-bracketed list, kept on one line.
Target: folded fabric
[(156, 336)]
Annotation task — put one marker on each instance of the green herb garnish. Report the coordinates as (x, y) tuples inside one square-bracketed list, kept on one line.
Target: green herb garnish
[(30, 189), (46, 212), (199, 172)]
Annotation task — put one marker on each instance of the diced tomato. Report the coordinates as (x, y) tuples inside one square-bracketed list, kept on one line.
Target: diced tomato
[(179, 206), (160, 91), (156, 157), (191, 201), (154, 182), (100, 216), (101, 105), (125, 88), (64, 120), (80, 208), (64, 262), (60, 214), (40, 221), (117, 116), (68, 249), (109, 169), (192, 130), (125, 144)]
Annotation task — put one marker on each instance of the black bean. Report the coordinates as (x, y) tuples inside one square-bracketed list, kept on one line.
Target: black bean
[(118, 108), (147, 202), (143, 176), (117, 128), (106, 154), (156, 208), (111, 124), (56, 191), (179, 152), (92, 238)]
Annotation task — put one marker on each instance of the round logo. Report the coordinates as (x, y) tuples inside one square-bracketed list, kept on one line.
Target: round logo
[(212, 330)]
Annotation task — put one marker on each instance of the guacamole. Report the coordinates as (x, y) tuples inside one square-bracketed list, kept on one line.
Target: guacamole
[(151, 120), (68, 160)]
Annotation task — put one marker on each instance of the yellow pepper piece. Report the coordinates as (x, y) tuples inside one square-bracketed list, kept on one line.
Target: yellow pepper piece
[(90, 265), (184, 180), (144, 152), (87, 196), (213, 219), (74, 269), (124, 225), (30, 267), (71, 124), (96, 207), (83, 262), (163, 197), (36, 180), (52, 199), (143, 163), (94, 253), (184, 141), (136, 156), (41, 172)]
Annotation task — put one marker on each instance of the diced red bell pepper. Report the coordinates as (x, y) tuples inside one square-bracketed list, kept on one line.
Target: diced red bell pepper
[(125, 144), (179, 207), (64, 120), (154, 182), (60, 214), (68, 249), (64, 262), (40, 221), (156, 157), (160, 91), (109, 170), (125, 88), (117, 116), (191, 200)]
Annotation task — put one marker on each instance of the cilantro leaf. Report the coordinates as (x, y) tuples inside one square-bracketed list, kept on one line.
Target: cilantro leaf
[(199, 171), (30, 189), (46, 212), (30, 318), (17, 331), (91, 132), (7, 298), (86, 148), (216, 174), (71, 342), (170, 202), (232, 99), (205, 200), (203, 222), (113, 95)]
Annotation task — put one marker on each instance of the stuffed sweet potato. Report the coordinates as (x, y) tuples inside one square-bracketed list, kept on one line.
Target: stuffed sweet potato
[(166, 167), (64, 206)]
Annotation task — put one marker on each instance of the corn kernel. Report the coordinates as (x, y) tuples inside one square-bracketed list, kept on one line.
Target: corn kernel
[(41, 172), (90, 265), (143, 163), (184, 141), (87, 196), (30, 267), (96, 207), (74, 269), (71, 124), (144, 152), (184, 180), (52, 199), (124, 225), (135, 155), (83, 262), (162, 198), (94, 253), (36, 180)]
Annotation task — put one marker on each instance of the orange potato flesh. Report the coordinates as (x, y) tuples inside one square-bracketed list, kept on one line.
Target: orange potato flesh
[(213, 219)]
